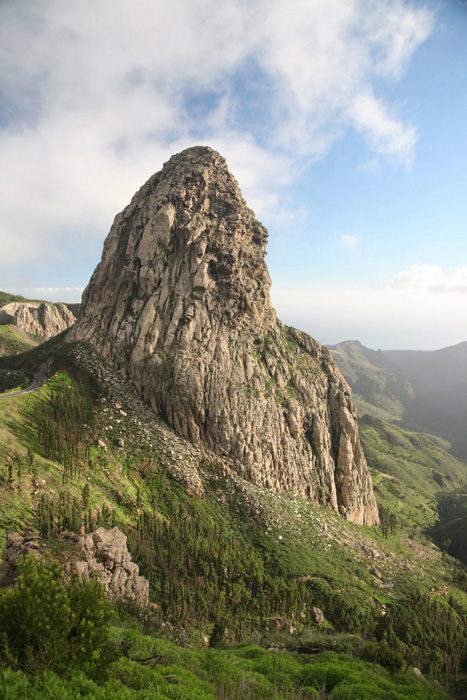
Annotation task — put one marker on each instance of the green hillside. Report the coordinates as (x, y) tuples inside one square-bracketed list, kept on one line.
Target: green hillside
[(6, 298), (84, 451), (378, 387), (421, 391), (411, 471), (13, 341)]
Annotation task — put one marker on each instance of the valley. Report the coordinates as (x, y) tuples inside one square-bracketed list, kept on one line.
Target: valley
[(412, 415)]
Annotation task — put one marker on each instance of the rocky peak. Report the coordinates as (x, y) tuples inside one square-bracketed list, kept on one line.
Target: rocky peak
[(180, 305), (188, 255)]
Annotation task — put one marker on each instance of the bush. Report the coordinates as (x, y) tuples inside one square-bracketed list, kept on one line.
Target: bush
[(350, 613), (50, 623)]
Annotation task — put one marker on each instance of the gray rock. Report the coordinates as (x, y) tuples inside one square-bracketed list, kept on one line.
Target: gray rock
[(180, 305), (105, 553), (318, 616), (102, 553), (44, 319), (15, 547)]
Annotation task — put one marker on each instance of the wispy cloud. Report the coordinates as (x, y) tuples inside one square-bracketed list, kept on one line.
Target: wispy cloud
[(96, 96), (430, 278), (348, 241), (387, 136)]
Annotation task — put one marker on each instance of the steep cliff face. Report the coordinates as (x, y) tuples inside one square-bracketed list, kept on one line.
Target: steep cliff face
[(180, 304), (44, 319)]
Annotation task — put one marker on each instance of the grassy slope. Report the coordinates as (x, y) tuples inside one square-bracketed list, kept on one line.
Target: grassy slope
[(13, 341), (410, 471), (303, 535), (308, 539), (6, 298), (247, 672), (414, 473)]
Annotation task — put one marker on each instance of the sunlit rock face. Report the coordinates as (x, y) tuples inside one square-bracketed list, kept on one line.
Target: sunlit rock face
[(36, 318), (180, 305)]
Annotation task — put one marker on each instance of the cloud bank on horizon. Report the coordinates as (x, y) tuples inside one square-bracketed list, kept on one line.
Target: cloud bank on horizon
[(96, 96), (429, 278)]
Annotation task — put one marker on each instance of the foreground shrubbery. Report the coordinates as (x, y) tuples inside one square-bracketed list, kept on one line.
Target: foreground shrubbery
[(55, 644), (243, 673), (47, 622)]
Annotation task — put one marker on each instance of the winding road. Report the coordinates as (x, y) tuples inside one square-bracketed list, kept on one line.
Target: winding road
[(38, 381)]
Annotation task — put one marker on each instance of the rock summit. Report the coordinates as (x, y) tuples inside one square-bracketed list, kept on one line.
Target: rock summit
[(180, 305)]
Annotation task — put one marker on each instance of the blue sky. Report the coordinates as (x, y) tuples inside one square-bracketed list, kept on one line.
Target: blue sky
[(342, 120)]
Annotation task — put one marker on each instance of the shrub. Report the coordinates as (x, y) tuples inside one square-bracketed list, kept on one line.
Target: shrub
[(50, 623)]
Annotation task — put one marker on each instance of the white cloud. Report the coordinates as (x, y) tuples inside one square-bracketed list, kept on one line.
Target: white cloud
[(348, 242), (96, 97), (430, 278), (386, 135)]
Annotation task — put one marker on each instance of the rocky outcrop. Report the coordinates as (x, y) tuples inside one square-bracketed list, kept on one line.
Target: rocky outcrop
[(34, 318), (15, 547), (102, 554), (180, 305)]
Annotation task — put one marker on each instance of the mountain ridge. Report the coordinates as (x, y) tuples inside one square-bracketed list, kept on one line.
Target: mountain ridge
[(424, 391)]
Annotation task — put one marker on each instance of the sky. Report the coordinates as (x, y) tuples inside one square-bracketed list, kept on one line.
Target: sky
[(344, 122)]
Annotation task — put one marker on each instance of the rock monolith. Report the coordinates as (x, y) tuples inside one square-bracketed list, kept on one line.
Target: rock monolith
[(180, 305)]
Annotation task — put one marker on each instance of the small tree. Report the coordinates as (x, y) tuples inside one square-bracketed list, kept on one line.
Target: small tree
[(85, 495), (31, 458), (48, 622)]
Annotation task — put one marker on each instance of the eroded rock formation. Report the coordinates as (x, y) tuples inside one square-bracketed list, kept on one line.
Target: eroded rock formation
[(44, 319), (102, 554), (180, 305)]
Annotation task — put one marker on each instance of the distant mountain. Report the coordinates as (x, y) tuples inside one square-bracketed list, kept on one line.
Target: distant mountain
[(24, 323), (422, 390), (427, 370), (379, 388)]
